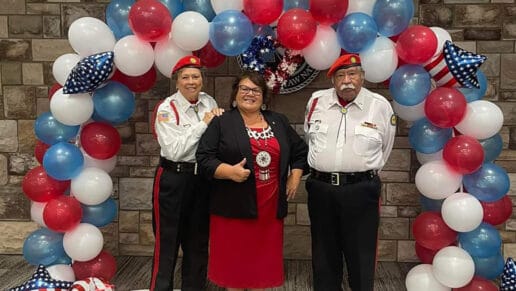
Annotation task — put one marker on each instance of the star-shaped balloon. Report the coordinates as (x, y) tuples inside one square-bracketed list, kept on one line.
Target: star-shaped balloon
[(41, 281), (89, 73), (455, 67), (508, 280)]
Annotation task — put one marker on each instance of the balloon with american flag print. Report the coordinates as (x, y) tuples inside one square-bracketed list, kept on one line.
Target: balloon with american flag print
[(455, 67)]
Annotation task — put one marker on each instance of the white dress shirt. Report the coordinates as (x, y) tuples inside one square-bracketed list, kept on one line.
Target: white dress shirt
[(178, 142), (354, 138)]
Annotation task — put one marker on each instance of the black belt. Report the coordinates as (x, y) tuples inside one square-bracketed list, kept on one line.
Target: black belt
[(339, 178), (179, 167)]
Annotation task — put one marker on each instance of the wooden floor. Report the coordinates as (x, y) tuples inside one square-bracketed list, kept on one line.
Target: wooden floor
[(134, 273)]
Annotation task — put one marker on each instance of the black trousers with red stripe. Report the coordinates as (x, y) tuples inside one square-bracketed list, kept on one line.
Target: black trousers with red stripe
[(180, 218), (344, 221)]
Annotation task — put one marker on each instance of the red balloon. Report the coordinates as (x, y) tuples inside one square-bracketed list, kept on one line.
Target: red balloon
[(464, 154), (416, 45), (478, 284), (40, 187), (431, 232), (138, 84), (263, 11), (426, 256), (62, 213), (102, 266), (497, 212), (445, 107), (150, 20), (100, 140), (327, 12), (53, 90), (210, 57), (39, 150), (296, 28)]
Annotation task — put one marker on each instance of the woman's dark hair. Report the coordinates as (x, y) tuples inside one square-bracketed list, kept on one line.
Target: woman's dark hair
[(254, 77)]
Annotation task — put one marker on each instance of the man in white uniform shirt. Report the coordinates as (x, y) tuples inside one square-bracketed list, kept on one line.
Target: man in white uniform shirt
[(350, 133), (180, 195)]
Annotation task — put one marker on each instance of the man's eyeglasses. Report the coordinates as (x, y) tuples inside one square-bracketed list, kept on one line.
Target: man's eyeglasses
[(353, 75), (247, 90)]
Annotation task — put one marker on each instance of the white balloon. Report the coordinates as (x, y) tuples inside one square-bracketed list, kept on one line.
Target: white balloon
[(462, 212), (380, 60), (88, 36), (364, 6), (63, 65), (107, 165), (425, 158), (221, 5), (324, 48), (442, 36), (409, 113), (453, 267), (61, 272), (482, 120), (71, 109), (436, 181), (36, 212), (421, 278), (167, 53), (92, 186), (190, 30), (83, 243), (133, 56)]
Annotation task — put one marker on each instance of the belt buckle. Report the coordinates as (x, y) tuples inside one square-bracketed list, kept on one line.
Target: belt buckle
[(335, 179), (195, 169)]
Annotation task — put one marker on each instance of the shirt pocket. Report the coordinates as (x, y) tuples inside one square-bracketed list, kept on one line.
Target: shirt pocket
[(367, 141), (318, 135)]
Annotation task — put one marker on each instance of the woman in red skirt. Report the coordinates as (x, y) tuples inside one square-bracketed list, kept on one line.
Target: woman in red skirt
[(255, 161)]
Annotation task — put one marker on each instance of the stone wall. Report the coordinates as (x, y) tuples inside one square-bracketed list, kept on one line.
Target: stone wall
[(33, 34)]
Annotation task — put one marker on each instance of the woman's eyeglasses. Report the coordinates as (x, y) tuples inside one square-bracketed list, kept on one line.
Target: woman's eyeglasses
[(247, 90)]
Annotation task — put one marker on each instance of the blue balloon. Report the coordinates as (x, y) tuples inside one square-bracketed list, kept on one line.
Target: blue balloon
[(231, 32), (356, 32), (428, 204), (175, 7), (410, 84), (290, 4), (63, 161), (201, 6), (51, 131), (488, 184), (483, 241), (43, 247), (427, 138), (114, 102), (264, 30), (489, 267), (117, 17), (101, 214), (63, 260), (393, 16), (492, 147), (473, 94)]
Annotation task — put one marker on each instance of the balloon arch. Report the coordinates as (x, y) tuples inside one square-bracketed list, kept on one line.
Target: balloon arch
[(435, 85)]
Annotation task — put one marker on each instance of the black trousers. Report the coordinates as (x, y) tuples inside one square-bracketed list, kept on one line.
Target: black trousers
[(180, 218), (344, 221)]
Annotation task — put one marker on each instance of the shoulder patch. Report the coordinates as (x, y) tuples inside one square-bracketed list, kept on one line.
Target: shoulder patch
[(163, 116), (394, 119)]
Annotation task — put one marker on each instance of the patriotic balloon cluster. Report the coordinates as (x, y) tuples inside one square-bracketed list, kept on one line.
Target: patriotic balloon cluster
[(454, 132)]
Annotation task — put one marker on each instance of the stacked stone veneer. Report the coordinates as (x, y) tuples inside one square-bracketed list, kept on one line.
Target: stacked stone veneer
[(33, 34)]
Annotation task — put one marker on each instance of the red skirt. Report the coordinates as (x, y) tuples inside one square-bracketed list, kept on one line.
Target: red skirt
[(248, 253)]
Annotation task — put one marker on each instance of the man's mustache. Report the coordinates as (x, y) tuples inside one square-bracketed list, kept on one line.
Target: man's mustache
[(347, 86)]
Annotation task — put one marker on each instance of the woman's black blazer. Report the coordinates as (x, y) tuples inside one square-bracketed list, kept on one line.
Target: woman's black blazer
[(226, 141)]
